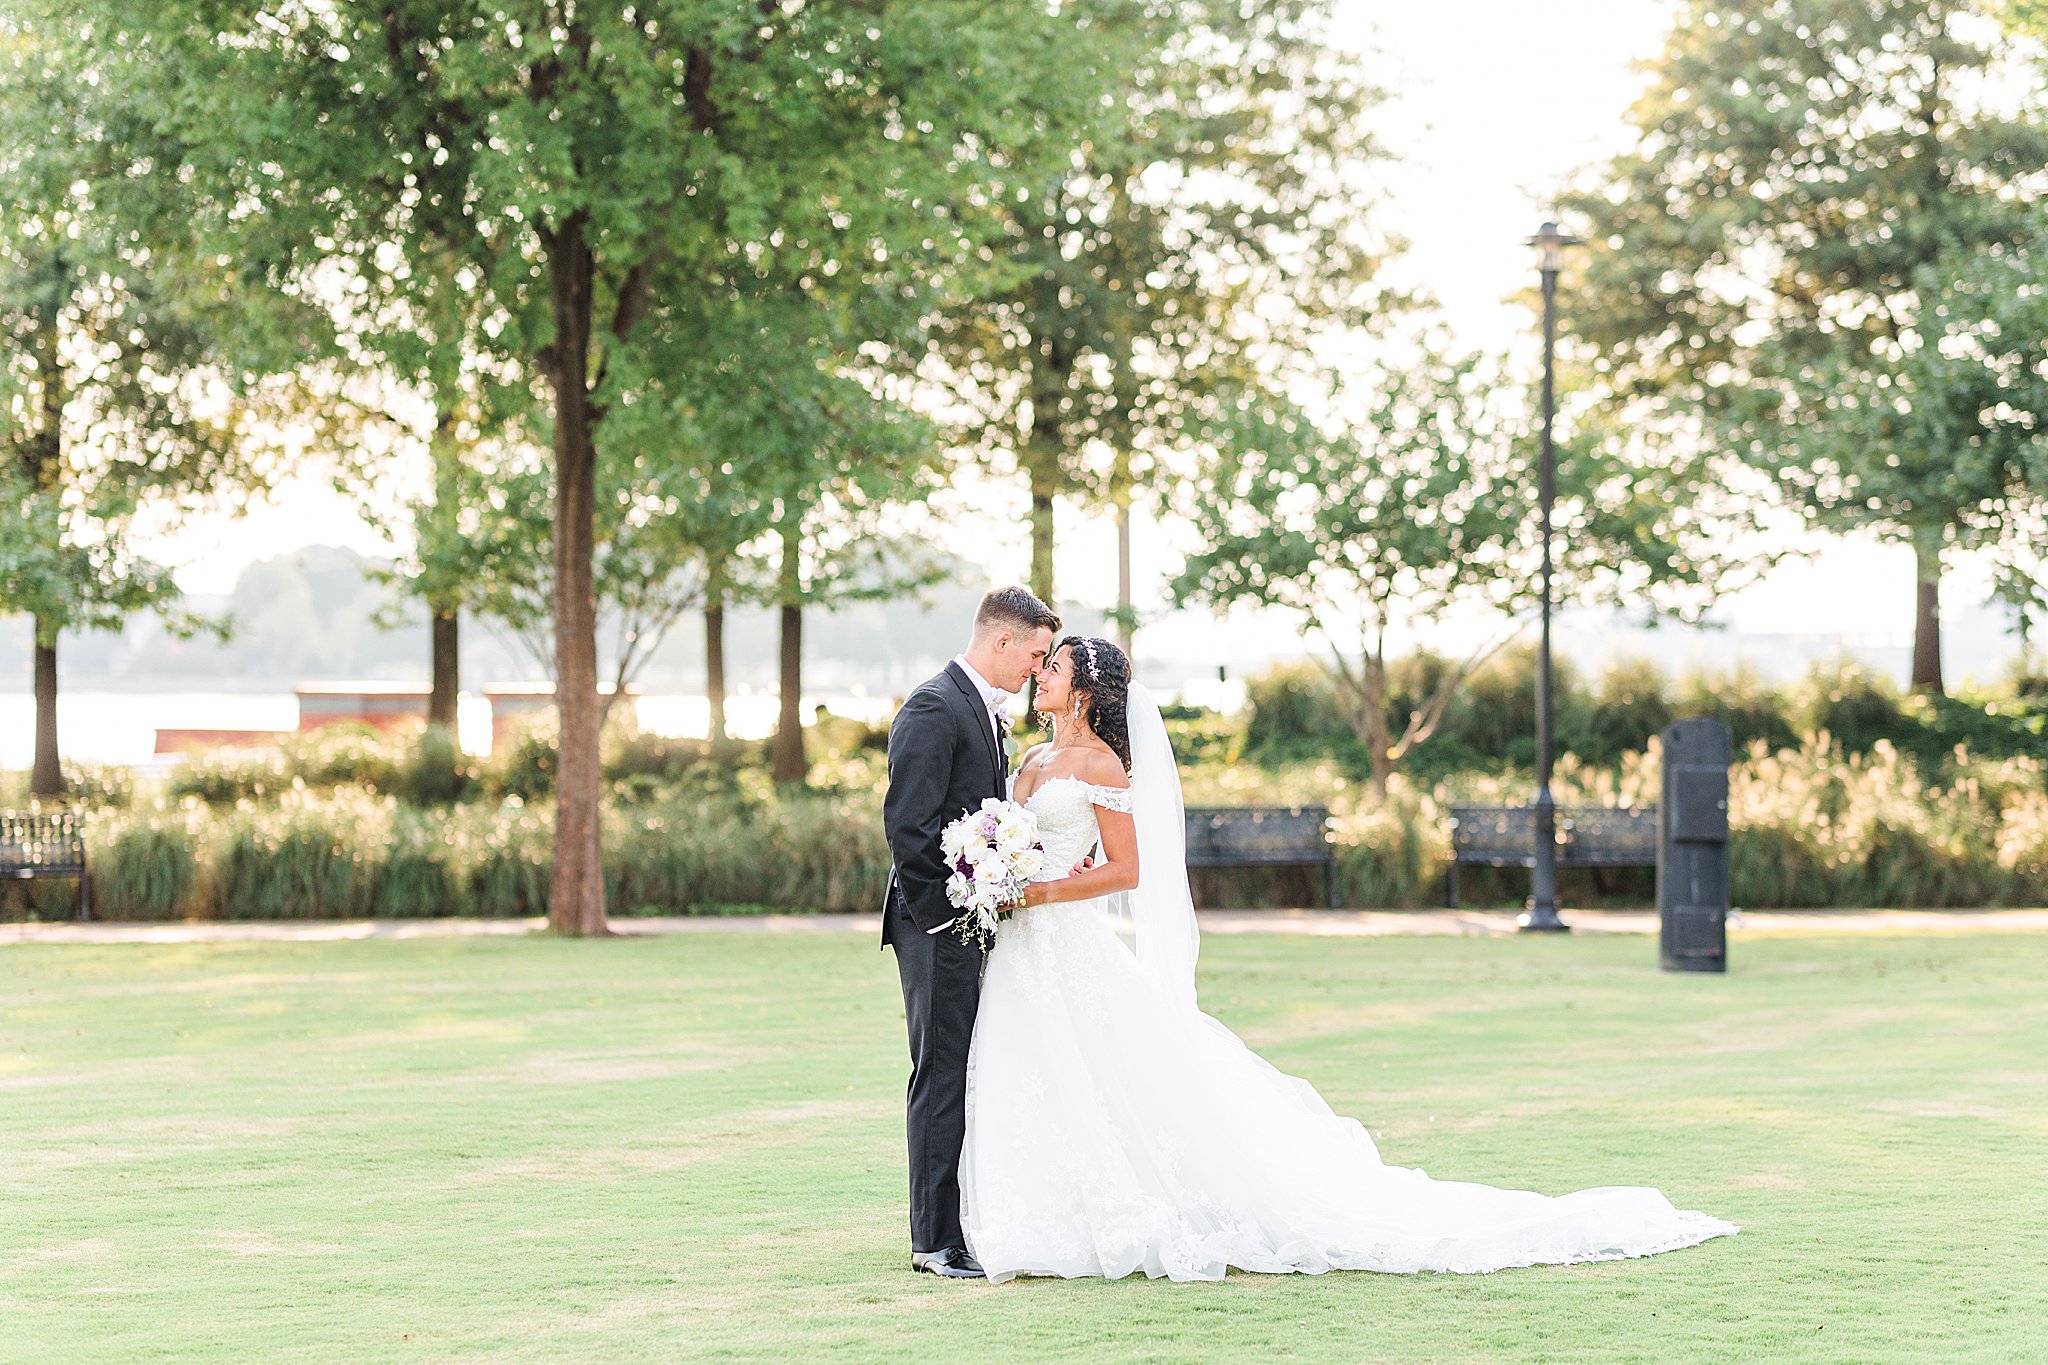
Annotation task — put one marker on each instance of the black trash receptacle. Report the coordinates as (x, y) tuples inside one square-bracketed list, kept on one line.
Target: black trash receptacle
[(1692, 848)]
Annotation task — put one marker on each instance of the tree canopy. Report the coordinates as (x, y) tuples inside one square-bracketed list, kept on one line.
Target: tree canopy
[(1805, 175)]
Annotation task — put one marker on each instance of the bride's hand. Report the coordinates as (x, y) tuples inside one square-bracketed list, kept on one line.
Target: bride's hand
[(1038, 893)]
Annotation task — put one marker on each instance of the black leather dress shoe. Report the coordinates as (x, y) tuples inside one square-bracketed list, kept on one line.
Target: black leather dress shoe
[(954, 1263)]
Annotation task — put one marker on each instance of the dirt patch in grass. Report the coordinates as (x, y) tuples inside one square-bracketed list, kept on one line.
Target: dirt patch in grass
[(243, 1242), (184, 1132), (627, 1064)]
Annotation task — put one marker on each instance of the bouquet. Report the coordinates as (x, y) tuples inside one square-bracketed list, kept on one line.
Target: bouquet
[(993, 852)]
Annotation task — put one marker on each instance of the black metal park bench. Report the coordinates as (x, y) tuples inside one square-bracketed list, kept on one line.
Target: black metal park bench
[(35, 844), (1587, 836), (1263, 836)]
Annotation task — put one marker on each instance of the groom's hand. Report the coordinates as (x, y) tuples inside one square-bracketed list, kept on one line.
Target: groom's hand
[(1082, 866)]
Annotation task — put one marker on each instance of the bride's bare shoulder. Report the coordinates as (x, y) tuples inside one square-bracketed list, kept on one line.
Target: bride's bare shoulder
[(1101, 768)]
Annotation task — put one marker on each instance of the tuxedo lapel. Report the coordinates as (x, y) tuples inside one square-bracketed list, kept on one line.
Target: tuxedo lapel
[(985, 725)]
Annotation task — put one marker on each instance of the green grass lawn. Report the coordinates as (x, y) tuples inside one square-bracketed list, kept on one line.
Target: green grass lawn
[(689, 1148)]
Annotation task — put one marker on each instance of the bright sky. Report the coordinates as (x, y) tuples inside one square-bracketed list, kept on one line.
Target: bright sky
[(1499, 101)]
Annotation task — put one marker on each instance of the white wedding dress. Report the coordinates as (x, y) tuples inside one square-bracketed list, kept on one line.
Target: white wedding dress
[(1112, 1127)]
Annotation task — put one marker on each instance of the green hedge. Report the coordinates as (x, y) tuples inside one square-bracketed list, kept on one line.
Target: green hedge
[(424, 767), (1491, 723), (1953, 812), (1813, 826)]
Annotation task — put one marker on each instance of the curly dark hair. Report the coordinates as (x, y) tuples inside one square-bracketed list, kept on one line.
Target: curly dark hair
[(1102, 673)]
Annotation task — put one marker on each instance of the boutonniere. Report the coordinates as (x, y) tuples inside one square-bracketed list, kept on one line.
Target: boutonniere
[(1009, 745)]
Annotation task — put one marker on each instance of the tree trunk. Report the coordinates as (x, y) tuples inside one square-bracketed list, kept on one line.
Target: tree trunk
[(1363, 697), (1042, 456), (444, 625), (1041, 536), (446, 630), (714, 671), (45, 467), (576, 897), (1378, 736), (1927, 621), (48, 777), (1126, 614), (791, 765)]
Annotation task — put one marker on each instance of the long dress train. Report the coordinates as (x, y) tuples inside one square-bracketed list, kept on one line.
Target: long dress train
[(1113, 1128)]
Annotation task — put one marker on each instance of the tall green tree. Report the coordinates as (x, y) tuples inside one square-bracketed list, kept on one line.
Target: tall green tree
[(1804, 175), (369, 213), (1938, 433), (1217, 214), (118, 392), (1411, 503), (415, 403), (731, 577), (649, 570), (624, 156), (352, 203), (833, 545)]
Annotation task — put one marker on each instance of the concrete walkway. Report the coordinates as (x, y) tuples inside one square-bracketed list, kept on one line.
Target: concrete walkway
[(1322, 923)]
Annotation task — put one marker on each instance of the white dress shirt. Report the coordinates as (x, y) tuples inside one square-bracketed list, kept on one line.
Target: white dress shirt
[(998, 717), (998, 721)]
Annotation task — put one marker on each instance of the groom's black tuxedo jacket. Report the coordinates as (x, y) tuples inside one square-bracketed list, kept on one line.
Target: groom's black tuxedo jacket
[(943, 761)]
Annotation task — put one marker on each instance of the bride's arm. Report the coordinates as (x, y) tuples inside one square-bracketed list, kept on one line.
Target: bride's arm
[(1118, 870)]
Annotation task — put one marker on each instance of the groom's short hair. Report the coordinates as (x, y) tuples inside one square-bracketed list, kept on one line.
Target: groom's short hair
[(1013, 609)]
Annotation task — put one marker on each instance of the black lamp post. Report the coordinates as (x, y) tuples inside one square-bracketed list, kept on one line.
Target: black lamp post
[(1541, 916)]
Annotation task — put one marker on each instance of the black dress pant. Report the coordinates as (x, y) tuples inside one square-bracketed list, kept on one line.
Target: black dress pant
[(941, 991)]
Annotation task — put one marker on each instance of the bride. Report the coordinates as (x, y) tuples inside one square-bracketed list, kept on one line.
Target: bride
[(1112, 1127)]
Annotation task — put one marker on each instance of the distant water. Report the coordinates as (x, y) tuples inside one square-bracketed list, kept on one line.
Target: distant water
[(120, 727)]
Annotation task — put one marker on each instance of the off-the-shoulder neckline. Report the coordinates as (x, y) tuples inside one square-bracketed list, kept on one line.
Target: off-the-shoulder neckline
[(1069, 777)]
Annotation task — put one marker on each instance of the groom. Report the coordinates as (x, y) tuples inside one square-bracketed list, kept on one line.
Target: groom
[(945, 758)]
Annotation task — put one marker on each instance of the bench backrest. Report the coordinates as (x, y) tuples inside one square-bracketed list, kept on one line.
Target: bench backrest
[(1587, 836), (1227, 835), (1483, 833), (1620, 837), (40, 843)]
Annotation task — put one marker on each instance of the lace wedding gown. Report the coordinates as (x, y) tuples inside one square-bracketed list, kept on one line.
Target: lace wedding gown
[(1112, 1127)]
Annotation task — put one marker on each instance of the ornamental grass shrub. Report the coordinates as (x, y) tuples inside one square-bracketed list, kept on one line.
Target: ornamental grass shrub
[(1949, 810), (419, 765), (1814, 826), (1489, 725), (350, 852), (96, 786), (1818, 827), (333, 755), (147, 864)]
